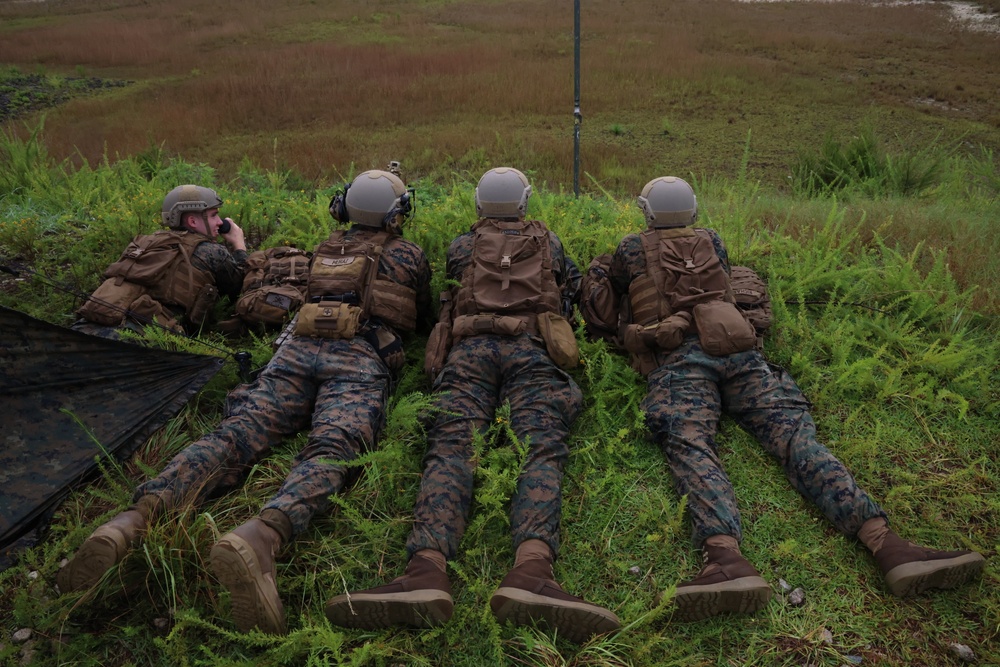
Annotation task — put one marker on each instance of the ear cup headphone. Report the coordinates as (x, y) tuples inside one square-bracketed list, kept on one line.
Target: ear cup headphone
[(404, 206), (338, 205)]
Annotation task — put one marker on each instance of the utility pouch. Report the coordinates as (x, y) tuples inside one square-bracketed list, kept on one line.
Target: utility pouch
[(559, 340), (107, 305), (504, 325), (203, 304), (438, 346), (328, 319), (722, 329)]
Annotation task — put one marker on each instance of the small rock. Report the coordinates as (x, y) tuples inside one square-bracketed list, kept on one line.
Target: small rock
[(22, 635), (33, 575), (797, 598), (28, 653), (854, 659), (784, 586), (826, 636), (635, 571), (963, 652), (161, 623)]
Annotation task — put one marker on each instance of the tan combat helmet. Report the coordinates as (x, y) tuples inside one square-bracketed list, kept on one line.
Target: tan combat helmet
[(502, 193), (668, 201), (187, 199), (373, 199)]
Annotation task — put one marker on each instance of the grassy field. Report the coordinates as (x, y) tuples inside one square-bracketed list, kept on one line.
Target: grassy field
[(461, 86), (807, 133)]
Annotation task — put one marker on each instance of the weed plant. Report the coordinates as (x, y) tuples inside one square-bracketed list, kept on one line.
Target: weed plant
[(879, 317)]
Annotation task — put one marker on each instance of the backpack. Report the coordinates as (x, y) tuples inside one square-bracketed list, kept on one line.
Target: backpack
[(153, 272), (752, 298), (274, 286), (510, 272), (600, 306)]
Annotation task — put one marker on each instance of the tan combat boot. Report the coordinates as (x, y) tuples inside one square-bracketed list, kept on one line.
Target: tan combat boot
[(910, 569), (727, 583), (529, 594), (243, 561), (105, 548), (421, 598)]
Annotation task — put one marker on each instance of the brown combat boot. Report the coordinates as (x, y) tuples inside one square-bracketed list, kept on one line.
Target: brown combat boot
[(727, 583), (421, 598), (529, 594), (105, 548), (243, 561), (910, 569)]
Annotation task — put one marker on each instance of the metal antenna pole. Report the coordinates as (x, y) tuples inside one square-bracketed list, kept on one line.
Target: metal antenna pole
[(577, 115)]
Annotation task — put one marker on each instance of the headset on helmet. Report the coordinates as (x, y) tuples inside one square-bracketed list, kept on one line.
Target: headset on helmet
[(373, 199), (502, 193), (668, 201), (187, 199)]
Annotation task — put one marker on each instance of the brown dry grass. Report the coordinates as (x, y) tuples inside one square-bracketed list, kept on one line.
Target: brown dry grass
[(461, 86)]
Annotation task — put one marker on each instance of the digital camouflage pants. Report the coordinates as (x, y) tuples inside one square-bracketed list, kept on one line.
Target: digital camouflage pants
[(685, 399), (481, 373), (338, 388)]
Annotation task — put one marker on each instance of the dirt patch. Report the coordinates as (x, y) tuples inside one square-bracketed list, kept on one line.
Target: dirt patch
[(20, 94)]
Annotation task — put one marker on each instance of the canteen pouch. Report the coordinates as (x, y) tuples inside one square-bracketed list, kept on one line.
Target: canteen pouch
[(438, 346), (559, 340), (722, 328)]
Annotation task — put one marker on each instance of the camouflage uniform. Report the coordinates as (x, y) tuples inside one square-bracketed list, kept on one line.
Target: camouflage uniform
[(226, 266), (687, 394), (339, 387), (481, 372)]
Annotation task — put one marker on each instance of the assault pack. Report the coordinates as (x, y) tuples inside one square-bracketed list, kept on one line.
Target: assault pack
[(274, 286), (153, 276), (684, 291), (508, 288)]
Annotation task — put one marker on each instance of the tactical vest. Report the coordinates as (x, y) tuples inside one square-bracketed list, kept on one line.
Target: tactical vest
[(153, 277), (345, 291), (274, 286), (510, 277), (684, 290)]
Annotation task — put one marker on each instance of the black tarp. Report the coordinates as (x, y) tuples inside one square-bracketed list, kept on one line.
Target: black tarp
[(68, 399)]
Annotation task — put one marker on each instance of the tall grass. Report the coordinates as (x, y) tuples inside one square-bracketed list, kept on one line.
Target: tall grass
[(901, 365)]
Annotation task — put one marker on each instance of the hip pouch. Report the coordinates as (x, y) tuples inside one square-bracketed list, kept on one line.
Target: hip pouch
[(146, 310), (470, 325), (722, 329), (328, 319), (559, 340)]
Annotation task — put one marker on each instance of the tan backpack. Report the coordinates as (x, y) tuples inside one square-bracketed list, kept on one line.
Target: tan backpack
[(153, 273)]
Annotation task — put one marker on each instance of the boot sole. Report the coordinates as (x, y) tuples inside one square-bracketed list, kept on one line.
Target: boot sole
[(740, 596), (915, 578), (98, 554), (576, 621), (254, 600), (426, 608)]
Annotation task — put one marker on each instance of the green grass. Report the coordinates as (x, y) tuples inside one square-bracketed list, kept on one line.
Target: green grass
[(885, 339)]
